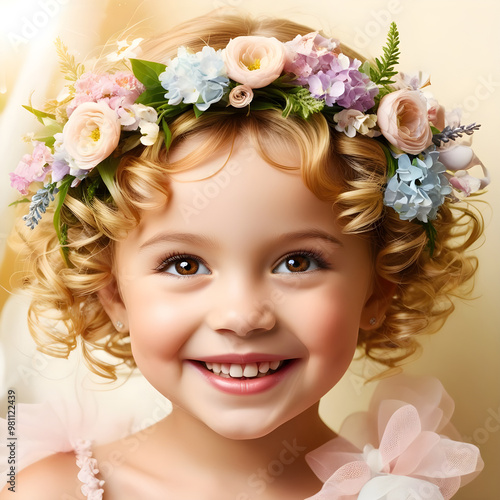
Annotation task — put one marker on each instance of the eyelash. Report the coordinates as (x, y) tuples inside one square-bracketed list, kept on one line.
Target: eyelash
[(174, 257), (315, 255)]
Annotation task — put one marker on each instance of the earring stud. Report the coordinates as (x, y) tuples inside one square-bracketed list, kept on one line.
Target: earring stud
[(373, 321), (119, 325)]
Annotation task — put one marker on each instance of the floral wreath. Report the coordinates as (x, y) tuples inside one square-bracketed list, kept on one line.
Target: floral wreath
[(101, 116)]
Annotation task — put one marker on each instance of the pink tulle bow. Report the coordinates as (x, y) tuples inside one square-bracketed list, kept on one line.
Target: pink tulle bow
[(406, 457)]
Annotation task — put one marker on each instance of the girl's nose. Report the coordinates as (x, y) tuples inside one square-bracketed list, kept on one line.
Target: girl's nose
[(241, 313)]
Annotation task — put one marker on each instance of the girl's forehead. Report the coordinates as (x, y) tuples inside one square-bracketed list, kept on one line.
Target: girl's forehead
[(230, 157), (242, 198)]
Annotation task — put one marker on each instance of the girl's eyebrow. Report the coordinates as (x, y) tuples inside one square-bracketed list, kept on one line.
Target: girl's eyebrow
[(200, 240), (309, 234), (194, 239)]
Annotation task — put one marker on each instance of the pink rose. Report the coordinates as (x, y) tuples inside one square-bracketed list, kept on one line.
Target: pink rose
[(402, 119), (240, 96), (91, 134), (255, 61)]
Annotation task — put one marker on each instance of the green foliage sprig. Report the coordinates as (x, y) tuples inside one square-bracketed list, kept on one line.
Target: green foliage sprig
[(69, 67), (382, 73)]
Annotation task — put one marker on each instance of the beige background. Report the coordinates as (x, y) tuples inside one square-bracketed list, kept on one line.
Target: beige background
[(457, 42)]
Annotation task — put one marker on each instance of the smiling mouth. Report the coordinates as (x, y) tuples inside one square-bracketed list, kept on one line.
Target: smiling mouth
[(245, 371)]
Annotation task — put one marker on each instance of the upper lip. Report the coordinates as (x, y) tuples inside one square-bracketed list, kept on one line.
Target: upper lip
[(242, 358)]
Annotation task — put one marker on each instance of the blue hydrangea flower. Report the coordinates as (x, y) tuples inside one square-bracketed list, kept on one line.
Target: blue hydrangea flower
[(195, 78), (418, 188)]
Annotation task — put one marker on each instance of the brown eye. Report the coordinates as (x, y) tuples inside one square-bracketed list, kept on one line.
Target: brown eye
[(183, 265), (298, 263), (186, 267)]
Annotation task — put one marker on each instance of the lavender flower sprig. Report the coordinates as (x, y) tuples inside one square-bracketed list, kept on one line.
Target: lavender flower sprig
[(451, 134), (39, 203)]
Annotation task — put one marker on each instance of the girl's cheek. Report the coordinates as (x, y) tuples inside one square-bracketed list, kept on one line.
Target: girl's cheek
[(160, 327), (327, 318)]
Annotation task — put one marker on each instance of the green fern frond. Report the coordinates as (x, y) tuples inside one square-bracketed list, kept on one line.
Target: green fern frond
[(384, 70), (69, 67)]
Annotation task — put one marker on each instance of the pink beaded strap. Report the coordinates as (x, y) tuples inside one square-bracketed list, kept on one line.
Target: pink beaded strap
[(91, 487)]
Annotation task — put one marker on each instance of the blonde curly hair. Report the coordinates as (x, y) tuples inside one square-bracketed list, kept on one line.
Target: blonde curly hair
[(349, 172)]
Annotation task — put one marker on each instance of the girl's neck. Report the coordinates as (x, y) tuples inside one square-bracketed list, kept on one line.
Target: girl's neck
[(270, 466)]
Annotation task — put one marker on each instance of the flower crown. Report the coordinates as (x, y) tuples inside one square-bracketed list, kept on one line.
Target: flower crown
[(101, 116)]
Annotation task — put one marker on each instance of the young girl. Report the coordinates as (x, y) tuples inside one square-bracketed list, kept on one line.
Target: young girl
[(235, 219)]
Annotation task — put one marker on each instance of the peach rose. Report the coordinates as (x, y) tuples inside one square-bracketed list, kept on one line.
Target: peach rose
[(402, 119), (91, 134), (255, 61), (240, 96)]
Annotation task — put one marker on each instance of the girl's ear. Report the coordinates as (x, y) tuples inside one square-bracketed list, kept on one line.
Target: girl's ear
[(377, 303), (113, 305)]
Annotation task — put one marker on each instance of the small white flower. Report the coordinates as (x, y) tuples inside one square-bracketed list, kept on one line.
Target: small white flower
[(126, 50), (351, 121), (139, 116)]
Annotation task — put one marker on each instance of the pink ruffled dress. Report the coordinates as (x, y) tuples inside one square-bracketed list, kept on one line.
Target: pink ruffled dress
[(400, 448)]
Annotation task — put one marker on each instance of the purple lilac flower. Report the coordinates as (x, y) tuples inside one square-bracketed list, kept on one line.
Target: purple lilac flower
[(418, 188), (307, 55), (358, 90)]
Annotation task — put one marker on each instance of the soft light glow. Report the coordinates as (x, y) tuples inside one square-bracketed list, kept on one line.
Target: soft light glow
[(14, 14)]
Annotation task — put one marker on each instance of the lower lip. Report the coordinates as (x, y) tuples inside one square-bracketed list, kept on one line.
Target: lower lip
[(244, 386)]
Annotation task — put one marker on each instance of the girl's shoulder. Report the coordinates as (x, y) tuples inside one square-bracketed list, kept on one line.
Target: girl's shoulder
[(53, 477)]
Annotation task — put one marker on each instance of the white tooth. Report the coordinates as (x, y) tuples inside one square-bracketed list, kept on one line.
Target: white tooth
[(224, 375), (250, 370), (274, 365), (264, 367), (225, 368), (209, 366), (236, 371), (216, 367)]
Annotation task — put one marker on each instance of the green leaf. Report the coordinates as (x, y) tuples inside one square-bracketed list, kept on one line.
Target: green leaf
[(147, 72), (40, 114), (107, 170), (92, 185), (262, 105), (63, 240), (197, 112), (366, 68), (167, 134), (153, 96), (22, 200), (435, 130), (61, 195), (384, 70), (46, 134), (303, 103), (431, 233), (392, 163), (170, 111)]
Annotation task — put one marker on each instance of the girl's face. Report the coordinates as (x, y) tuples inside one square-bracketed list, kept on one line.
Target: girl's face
[(244, 272)]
